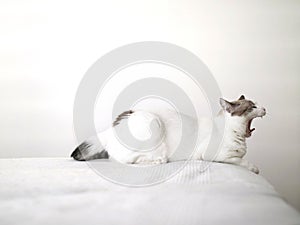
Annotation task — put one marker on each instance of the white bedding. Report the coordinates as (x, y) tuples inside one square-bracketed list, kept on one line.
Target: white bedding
[(62, 191)]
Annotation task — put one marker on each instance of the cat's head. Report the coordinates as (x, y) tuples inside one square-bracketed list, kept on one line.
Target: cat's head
[(245, 109)]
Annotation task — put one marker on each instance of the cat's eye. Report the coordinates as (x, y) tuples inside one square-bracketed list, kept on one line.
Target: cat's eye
[(254, 107)]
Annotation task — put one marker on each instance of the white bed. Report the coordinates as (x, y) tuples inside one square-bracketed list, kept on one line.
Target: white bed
[(45, 191)]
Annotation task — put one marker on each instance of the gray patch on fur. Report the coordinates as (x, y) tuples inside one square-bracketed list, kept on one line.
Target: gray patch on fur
[(123, 115), (237, 108)]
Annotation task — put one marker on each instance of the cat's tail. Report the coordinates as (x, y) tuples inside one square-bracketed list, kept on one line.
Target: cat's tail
[(142, 131), (92, 148), (89, 150)]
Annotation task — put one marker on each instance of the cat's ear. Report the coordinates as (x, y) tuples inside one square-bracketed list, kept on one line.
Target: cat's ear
[(226, 105), (242, 97)]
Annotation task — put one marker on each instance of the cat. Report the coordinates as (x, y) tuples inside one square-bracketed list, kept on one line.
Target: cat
[(163, 129)]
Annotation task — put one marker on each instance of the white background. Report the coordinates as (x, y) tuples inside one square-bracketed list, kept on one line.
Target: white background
[(251, 47)]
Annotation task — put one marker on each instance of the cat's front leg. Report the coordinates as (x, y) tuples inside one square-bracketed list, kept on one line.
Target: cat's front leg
[(243, 163)]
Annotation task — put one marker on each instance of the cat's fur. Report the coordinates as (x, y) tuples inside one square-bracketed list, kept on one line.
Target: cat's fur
[(238, 114)]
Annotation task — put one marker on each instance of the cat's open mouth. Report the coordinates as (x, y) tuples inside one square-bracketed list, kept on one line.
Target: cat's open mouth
[(249, 130)]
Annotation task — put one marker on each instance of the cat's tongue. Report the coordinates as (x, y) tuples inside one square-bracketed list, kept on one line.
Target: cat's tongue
[(248, 129)]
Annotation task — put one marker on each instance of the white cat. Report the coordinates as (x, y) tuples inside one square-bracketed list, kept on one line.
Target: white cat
[(157, 134)]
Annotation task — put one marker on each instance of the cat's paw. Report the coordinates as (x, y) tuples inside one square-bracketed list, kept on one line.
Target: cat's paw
[(159, 160), (150, 161), (253, 168)]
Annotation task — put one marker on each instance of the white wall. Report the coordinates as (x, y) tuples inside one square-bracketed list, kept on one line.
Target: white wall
[(251, 47)]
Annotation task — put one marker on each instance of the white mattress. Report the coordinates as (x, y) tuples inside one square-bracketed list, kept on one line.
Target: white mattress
[(45, 191)]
